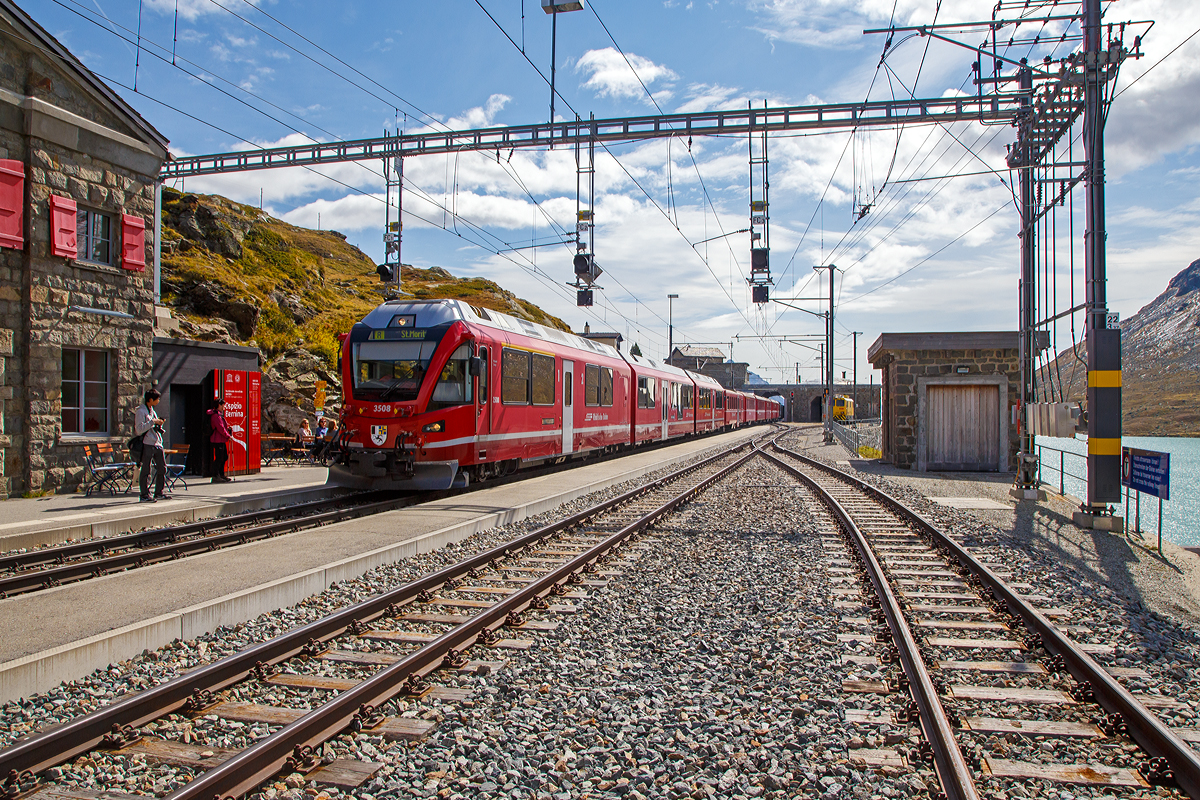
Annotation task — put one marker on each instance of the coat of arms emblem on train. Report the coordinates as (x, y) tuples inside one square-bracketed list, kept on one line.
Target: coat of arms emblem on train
[(379, 435)]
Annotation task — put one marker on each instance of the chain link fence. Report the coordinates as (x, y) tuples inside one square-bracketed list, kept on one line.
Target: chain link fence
[(863, 437)]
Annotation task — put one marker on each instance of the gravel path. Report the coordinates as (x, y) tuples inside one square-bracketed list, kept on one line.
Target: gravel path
[(710, 668)]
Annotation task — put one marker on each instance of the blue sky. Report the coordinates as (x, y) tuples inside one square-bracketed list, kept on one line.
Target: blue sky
[(948, 247)]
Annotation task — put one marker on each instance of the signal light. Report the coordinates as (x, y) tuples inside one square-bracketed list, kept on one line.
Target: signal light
[(583, 264), (760, 293), (583, 297), (385, 273), (758, 258)]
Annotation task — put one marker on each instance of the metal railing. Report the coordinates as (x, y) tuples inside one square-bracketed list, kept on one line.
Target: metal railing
[(1063, 474), (860, 435)]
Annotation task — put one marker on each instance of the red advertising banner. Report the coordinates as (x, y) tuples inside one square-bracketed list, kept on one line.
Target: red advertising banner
[(254, 427), (242, 392)]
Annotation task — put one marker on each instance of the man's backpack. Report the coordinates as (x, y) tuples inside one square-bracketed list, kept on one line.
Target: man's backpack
[(135, 447)]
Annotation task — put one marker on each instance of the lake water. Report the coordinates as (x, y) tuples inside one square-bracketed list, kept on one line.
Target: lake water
[(1181, 514)]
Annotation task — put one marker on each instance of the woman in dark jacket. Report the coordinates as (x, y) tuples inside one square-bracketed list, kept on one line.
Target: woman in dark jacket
[(221, 434)]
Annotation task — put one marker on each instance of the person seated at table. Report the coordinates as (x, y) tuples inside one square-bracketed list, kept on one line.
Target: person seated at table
[(304, 436), (327, 434)]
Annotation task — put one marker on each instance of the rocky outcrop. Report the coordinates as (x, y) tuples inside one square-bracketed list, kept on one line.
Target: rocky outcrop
[(289, 386), (208, 225), (213, 300)]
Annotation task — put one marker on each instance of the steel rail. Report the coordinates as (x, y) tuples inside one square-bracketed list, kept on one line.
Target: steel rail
[(52, 747), (732, 122), (265, 758), (196, 543), (102, 545), (1144, 727), (952, 770)]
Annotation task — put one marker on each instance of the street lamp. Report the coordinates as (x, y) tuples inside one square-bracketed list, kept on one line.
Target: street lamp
[(670, 326), (554, 8)]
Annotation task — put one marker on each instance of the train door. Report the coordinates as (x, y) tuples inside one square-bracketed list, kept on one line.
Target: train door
[(666, 400), (483, 404), (568, 406)]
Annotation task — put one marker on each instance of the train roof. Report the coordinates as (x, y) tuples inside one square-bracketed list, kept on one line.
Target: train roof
[(661, 366), (708, 382), (436, 312)]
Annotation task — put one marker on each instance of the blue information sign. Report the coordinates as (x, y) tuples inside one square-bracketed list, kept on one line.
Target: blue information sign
[(1146, 471)]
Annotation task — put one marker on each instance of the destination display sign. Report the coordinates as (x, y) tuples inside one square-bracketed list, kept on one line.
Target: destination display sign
[(1146, 471), (399, 334)]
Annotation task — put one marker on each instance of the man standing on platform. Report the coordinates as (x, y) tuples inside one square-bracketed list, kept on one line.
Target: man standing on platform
[(149, 426)]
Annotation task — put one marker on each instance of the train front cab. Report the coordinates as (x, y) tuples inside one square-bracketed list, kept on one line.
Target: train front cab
[(409, 375)]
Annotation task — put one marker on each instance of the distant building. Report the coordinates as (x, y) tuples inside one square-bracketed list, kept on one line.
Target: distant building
[(710, 361), (610, 338), (78, 175)]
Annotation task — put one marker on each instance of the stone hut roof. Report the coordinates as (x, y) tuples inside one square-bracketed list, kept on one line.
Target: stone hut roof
[(53, 50), (693, 351)]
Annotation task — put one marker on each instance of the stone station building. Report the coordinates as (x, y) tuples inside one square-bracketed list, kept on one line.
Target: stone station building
[(78, 182), (949, 399)]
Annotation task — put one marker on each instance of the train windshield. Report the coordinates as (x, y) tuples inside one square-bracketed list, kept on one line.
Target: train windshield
[(391, 370)]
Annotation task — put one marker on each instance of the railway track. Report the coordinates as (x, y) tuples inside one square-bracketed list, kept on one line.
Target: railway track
[(913, 597), (376, 655), (47, 567)]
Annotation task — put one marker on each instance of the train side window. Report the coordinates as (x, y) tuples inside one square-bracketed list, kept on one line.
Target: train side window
[(606, 386), (454, 383), (687, 397), (543, 380), (514, 369), (645, 394), (591, 385)]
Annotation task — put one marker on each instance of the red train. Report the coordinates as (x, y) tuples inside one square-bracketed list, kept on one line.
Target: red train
[(440, 393)]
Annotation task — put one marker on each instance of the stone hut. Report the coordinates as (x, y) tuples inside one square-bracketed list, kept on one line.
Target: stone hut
[(78, 182), (710, 361), (948, 399)]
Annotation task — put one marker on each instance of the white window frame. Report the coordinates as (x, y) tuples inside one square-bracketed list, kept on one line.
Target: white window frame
[(84, 235), (82, 409)]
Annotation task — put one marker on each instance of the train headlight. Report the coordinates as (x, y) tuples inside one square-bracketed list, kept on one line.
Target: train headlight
[(434, 427)]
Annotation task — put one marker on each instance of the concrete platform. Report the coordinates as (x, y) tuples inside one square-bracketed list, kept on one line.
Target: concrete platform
[(67, 632), (42, 521)]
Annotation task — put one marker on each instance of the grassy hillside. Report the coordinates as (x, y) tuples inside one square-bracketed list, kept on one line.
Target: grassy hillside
[(233, 273)]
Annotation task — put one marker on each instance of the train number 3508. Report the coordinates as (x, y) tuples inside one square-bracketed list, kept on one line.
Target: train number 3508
[(380, 407)]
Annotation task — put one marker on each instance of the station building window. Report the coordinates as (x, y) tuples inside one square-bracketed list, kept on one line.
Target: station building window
[(93, 234), (85, 391)]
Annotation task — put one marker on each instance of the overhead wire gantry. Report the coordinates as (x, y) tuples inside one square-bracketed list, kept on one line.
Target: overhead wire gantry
[(1043, 101)]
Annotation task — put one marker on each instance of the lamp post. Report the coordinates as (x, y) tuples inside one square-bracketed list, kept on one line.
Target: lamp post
[(670, 325), (554, 9)]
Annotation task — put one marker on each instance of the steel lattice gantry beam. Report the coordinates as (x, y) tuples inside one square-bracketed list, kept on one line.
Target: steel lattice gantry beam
[(988, 108)]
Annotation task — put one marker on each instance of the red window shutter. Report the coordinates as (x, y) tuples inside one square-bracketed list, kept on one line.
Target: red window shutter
[(62, 227), (133, 242), (12, 204)]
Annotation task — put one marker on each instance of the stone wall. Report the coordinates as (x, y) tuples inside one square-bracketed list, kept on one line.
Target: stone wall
[(901, 370), (76, 144)]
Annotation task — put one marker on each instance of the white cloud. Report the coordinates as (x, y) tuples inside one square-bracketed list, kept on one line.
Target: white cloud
[(609, 75), (188, 9)]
